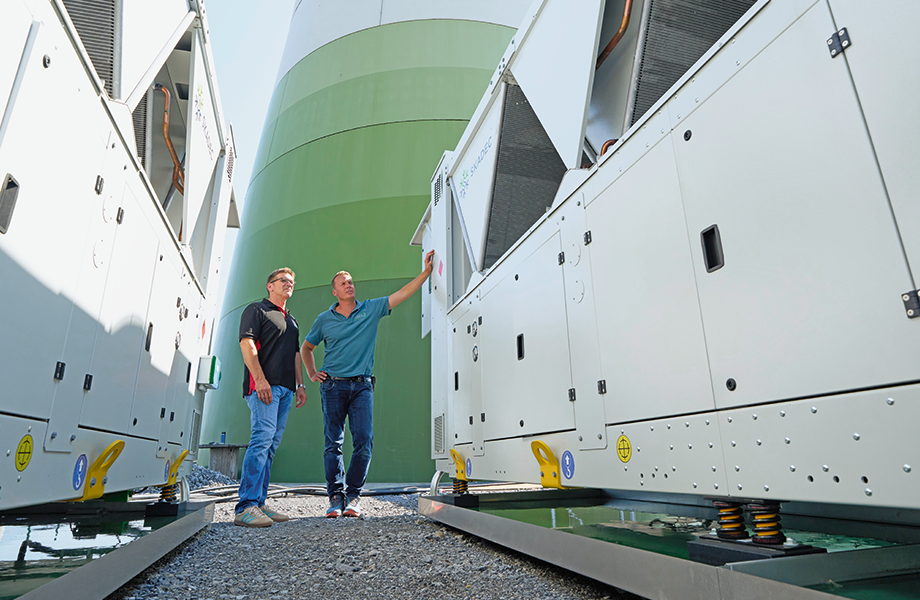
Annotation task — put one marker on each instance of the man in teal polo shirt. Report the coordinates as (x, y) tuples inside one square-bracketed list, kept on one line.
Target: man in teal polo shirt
[(349, 330)]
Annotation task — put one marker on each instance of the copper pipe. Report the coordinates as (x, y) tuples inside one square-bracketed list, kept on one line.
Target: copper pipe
[(624, 23), (178, 177), (607, 145)]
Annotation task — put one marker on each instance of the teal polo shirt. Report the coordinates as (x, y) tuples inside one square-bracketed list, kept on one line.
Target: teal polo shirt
[(349, 342)]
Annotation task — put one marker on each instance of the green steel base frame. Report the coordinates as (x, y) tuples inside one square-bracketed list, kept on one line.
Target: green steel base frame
[(105, 575), (657, 576)]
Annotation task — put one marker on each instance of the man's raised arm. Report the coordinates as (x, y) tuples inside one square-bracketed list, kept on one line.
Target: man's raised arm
[(410, 288)]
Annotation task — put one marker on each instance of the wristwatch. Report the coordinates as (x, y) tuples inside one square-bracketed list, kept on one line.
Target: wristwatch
[(300, 385)]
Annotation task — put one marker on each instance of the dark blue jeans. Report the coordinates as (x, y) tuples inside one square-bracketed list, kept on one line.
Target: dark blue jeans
[(354, 399)]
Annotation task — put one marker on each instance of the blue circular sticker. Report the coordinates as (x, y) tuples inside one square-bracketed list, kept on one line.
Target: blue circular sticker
[(568, 464), (166, 473), (469, 467), (79, 472)]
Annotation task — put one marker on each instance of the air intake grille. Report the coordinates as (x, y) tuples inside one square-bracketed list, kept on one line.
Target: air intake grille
[(439, 434), (527, 176), (679, 33), (140, 129), (437, 187), (95, 22), (196, 433)]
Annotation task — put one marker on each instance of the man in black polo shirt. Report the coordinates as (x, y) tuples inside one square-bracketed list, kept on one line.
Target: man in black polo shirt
[(269, 342)]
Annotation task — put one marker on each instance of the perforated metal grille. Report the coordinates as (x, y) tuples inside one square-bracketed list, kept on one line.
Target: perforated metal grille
[(196, 433), (439, 433), (139, 117), (679, 33), (95, 23), (527, 176), (437, 188)]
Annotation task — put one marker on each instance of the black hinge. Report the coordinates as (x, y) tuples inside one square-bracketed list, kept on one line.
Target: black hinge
[(100, 183), (471, 419), (163, 412), (561, 257), (838, 42), (587, 238), (912, 304), (88, 382), (572, 395), (121, 215), (59, 371), (172, 417), (482, 417), (602, 386)]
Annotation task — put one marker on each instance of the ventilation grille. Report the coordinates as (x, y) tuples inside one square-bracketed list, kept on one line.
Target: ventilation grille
[(230, 160), (439, 434), (196, 433), (437, 187), (95, 23), (140, 129), (679, 33), (527, 176)]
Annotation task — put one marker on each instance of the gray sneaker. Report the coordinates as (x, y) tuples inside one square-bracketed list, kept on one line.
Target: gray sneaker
[(354, 507), (252, 517), (336, 506)]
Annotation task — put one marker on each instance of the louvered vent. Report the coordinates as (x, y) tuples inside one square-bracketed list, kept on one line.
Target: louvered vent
[(230, 159), (679, 33), (437, 188), (140, 129), (196, 433), (439, 434), (527, 176), (96, 24)]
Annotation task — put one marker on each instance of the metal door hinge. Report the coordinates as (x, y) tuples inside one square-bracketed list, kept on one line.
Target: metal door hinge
[(561, 257), (572, 395), (471, 419), (602, 386), (838, 42), (911, 304), (121, 215), (88, 382), (59, 371), (100, 183), (587, 238), (482, 417)]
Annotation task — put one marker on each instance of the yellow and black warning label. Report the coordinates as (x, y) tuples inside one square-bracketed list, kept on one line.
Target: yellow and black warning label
[(24, 453), (624, 448)]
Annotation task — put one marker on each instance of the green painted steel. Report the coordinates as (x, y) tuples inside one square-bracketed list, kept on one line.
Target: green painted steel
[(341, 180)]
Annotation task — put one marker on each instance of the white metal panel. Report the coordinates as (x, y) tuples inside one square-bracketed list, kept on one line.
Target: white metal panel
[(156, 363), (16, 24), (555, 68), (202, 145), (146, 27), (809, 299), (528, 395), (652, 350), (460, 380), (473, 176), (887, 80), (54, 207), (122, 326)]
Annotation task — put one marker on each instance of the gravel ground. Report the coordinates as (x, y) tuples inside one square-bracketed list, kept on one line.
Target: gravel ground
[(389, 553)]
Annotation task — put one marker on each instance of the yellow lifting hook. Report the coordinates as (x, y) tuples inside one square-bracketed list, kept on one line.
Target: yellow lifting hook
[(96, 475), (549, 465)]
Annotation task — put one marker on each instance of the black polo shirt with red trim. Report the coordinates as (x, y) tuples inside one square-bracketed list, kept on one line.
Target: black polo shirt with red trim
[(276, 335)]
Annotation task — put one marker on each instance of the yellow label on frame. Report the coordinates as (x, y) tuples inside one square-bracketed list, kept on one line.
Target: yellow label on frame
[(624, 448), (24, 453)]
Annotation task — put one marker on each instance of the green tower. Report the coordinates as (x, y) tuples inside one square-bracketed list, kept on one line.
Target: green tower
[(369, 96)]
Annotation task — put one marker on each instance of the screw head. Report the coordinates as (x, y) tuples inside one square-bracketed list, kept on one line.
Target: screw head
[(759, 443), (856, 436), (788, 441), (739, 486), (92, 482), (782, 413), (766, 488), (694, 486), (688, 134), (710, 444), (737, 468), (580, 439), (554, 474), (729, 419), (713, 469), (734, 443), (792, 468), (690, 446), (890, 401), (814, 410), (600, 437), (754, 416), (825, 468), (53, 434), (868, 492), (731, 384), (46, 61), (73, 437), (715, 485), (907, 468)]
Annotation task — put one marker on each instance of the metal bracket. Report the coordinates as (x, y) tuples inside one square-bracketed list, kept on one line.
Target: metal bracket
[(100, 184), (911, 304), (587, 238), (572, 395), (482, 417), (602, 386), (59, 371), (838, 42), (561, 257), (88, 382)]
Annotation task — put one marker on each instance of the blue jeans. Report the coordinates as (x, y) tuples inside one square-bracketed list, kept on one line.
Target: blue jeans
[(354, 399), (268, 422)]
